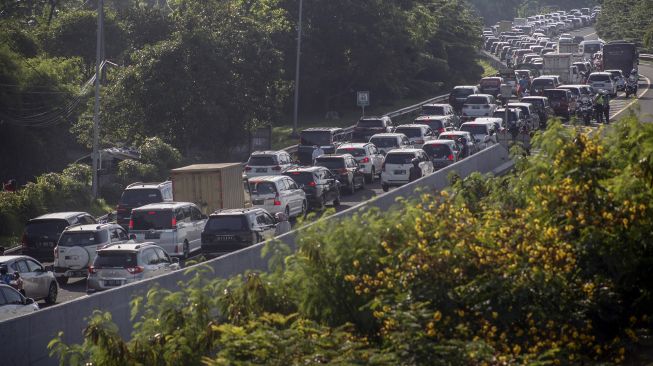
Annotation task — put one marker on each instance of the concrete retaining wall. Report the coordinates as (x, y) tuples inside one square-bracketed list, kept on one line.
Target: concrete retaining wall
[(25, 339)]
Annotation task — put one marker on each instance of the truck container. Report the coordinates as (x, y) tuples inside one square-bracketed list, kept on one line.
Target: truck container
[(520, 21), (564, 47), (561, 64), (211, 186), (505, 26)]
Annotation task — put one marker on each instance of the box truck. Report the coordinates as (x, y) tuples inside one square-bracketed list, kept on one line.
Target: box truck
[(505, 26), (211, 186), (561, 64)]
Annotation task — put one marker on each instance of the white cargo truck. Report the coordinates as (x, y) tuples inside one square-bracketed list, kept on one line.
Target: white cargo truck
[(561, 64), (520, 21)]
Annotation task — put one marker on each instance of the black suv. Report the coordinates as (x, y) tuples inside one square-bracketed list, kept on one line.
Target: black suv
[(368, 126), (140, 194), (345, 168), (319, 184), (327, 138), (234, 229), (42, 233)]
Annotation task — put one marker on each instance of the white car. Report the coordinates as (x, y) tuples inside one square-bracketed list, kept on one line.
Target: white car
[(368, 157), (39, 282), (478, 105), (603, 81), (619, 78), (388, 141), (417, 134), (262, 163), (278, 193), (13, 303), (397, 164), (483, 133)]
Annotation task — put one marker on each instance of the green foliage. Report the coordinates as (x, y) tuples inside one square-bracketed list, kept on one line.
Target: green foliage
[(550, 265), (625, 19), (66, 191)]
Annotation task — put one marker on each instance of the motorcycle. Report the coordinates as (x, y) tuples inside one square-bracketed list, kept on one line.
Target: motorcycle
[(631, 88), (585, 111)]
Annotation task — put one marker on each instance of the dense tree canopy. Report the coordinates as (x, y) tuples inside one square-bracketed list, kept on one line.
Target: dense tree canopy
[(625, 19)]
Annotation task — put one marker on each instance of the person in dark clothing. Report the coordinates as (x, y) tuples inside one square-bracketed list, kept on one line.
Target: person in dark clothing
[(606, 108), (415, 171)]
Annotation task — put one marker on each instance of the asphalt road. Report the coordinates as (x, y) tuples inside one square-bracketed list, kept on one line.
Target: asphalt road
[(77, 287)]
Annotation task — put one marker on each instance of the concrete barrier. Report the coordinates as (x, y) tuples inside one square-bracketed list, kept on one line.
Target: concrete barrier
[(25, 339)]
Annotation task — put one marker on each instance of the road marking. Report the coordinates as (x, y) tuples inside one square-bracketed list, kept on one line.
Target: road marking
[(591, 34), (648, 86)]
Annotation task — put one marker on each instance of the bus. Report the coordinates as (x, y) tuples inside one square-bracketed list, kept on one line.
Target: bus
[(589, 48), (620, 55)]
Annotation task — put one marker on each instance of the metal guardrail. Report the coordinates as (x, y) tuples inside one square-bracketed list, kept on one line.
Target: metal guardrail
[(646, 56), (393, 114)]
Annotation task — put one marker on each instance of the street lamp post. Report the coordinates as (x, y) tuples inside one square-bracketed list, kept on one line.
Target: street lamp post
[(299, 50), (96, 109)]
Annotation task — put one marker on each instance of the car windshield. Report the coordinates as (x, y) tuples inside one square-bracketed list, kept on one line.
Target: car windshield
[(262, 160), (399, 158), (490, 82), (512, 116), (555, 94), (330, 163), (599, 77), (616, 74), (140, 197), (83, 238), (462, 92), (434, 124), (357, 152), (435, 110), (301, 177), (409, 131), (474, 129), (437, 151), (319, 138), (45, 227), (542, 83), (384, 141), (262, 187), (114, 259), (151, 219), (367, 123), (476, 100), (226, 223)]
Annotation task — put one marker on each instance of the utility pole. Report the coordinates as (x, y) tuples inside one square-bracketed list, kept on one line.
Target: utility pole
[(299, 51), (96, 110)]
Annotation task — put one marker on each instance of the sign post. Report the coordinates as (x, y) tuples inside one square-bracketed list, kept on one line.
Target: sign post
[(363, 100)]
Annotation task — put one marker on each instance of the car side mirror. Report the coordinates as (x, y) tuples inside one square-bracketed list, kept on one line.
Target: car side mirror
[(29, 301), (49, 268), (132, 236), (174, 260)]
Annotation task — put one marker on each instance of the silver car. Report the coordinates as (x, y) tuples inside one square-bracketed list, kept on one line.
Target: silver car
[(120, 264), (39, 282), (175, 226), (77, 245), (13, 303)]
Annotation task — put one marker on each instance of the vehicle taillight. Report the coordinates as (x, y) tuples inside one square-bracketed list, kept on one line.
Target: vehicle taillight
[(248, 168), (276, 201), (92, 270), (440, 130), (312, 184), (342, 170), (131, 224), (450, 157), (365, 160), (135, 270), (276, 168), (56, 252), (23, 240), (173, 222)]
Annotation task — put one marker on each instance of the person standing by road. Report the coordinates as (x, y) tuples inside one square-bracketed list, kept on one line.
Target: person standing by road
[(598, 107), (606, 108), (317, 151), (415, 171)]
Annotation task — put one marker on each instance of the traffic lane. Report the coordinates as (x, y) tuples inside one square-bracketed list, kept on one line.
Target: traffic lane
[(643, 106), (645, 111), (588, 32), (350, 200)]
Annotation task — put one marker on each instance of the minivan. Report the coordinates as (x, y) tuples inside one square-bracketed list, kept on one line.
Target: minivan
[(174, 226), (42, 233), (327, 138)]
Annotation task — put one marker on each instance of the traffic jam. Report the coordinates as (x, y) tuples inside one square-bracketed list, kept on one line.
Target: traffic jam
[(207, 210)]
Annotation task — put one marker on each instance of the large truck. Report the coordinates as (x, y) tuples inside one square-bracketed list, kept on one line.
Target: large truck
[(505, 26), (211, 186), (561, 64), (564, 47), (520, 21), (620, 55)]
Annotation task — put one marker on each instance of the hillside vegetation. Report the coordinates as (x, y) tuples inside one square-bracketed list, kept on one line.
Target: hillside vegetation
[(549, 266), (631, 20)]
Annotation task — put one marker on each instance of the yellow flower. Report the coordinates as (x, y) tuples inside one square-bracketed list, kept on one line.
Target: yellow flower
[(437, 316)]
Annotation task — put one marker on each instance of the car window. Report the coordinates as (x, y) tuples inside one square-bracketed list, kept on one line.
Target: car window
[(83, 238), (291, 184), (22, 267), (195, 213), (122, 234), (260, 219), (149, 257), (163, 256), (140, 197), (33, 266), (114, 234), (12, 297), (268, 218), (154, 219)]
